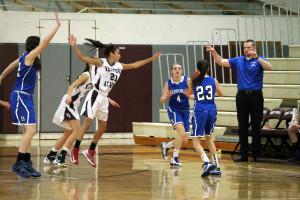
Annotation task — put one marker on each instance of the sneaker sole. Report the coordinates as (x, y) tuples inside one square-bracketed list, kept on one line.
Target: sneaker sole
[(215, 173), (60, 165), (204, 174), (176, 165), (22, 175), (91, 163)]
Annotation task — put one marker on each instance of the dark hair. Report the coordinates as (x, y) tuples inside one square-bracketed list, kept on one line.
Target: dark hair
[(31, 43), (249, 40), (202, 66), (98, 45)]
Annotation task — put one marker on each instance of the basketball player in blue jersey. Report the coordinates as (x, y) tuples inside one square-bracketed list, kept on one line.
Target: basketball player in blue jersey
[(176, 91), (67, 116), (105, 73), (205, 116), (21, 98)]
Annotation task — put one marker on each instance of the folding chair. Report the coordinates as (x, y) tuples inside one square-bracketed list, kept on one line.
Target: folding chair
[(282, 133), (276, 113)]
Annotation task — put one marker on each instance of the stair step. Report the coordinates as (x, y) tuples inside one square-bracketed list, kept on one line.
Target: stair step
[(163, 130), (294, 51), (269, 91), (285, 64), (279, 77), (228, 103)]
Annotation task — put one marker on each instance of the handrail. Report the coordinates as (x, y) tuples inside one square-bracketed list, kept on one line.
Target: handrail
[(168, 65)]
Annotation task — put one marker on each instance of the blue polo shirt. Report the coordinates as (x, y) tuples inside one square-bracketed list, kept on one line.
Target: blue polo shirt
[(249, 73)]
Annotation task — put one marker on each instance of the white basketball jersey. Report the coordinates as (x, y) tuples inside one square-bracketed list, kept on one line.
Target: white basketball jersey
[(106, 76), (81, 90)]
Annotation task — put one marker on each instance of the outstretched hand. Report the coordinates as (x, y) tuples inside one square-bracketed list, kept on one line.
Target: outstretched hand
[(57, 19), (156, 56), (209, 49), (113, 103), (72, 40)]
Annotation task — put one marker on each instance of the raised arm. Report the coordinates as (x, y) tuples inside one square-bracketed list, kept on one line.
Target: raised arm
[(265, 64), (219, 60), (140, 63), (218, 89), (34, 53), (166, 94), (94, 61), (9, 69), (82, 79)]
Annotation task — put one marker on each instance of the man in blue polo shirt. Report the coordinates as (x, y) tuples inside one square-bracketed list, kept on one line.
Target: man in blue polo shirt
[(249, 98)]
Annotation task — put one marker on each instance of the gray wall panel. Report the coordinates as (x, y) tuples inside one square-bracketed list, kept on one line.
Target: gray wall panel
[(55, 67)]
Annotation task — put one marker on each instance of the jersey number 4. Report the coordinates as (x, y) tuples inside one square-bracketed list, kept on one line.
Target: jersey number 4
[(200, 93)]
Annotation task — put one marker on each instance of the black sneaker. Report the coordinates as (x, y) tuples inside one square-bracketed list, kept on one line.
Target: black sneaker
[(19, 168), (31, 170), (50, 158), (60, 160)]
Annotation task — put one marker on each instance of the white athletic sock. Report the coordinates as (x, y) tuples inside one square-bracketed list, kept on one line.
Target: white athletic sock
[(175, 153), (66, 149), (54, 150), (215, 160), (170, 144), (205, 158)]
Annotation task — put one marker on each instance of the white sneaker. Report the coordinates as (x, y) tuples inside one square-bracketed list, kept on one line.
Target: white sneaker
[(216, 171), (207, 169), (175, 162), (49, 160), (164, 150)]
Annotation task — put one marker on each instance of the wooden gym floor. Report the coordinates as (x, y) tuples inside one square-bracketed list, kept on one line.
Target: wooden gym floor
[(138, 172)]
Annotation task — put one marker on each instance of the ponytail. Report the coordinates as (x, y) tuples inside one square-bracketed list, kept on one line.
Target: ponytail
[(202, 66), (98, 45), (31, 43)]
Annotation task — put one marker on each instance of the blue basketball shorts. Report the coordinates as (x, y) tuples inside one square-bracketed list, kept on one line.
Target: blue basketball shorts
[(179, 116), (22, 108), (203, 121)]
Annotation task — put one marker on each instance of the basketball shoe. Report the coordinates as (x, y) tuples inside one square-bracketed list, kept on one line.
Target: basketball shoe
[(207, 169), (89, 155), (216, 171), (19, 168), (31, 170), (74, 156), (60, 160), (164, 150), (175, 162)]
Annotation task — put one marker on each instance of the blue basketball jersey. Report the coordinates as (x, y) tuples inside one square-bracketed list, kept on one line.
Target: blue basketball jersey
[(26, 77), (178, 100), (205, 95)]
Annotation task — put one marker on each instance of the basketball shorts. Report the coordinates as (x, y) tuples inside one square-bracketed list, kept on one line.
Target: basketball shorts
[(95, 106), (22, 108), (203, 121), (179, 116), (65, 113)]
